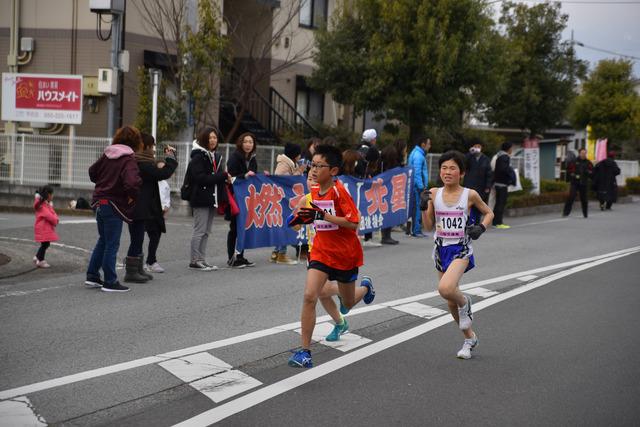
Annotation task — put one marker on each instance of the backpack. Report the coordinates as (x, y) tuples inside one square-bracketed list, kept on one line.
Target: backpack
[(186, 191)]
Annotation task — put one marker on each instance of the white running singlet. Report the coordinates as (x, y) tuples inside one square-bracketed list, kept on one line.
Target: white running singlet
[(451, 221)]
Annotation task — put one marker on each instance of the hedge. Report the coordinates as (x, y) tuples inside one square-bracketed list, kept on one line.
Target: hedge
[(633, 185)]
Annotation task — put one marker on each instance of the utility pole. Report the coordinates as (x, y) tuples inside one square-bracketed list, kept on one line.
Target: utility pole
[(116, 41), (155, 76)]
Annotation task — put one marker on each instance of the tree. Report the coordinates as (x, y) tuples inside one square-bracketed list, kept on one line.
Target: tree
[(193, 55), (171, 117), (609, 102), (423, 62), (541, 69)]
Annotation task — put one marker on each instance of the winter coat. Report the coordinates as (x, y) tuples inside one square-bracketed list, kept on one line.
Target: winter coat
[(238, 165), (418, 161), (503, 173), (479, 174), (117, 180), (148, 206), (208, 178), (579, 171), (46, 221), (286, 166), (604, 180)]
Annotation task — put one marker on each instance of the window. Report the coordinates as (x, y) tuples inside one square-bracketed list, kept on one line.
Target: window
[(313, 13), (309, 103)]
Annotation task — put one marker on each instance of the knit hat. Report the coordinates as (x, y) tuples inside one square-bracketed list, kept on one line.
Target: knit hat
[(292, 150), (369, 135)]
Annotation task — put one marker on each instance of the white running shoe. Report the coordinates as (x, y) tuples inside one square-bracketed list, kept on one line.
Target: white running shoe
[(467, 347), (465, 314), (153, 268), (371, 244), (42, 264)]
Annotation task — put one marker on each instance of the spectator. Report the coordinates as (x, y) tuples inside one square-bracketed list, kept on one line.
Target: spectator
[(418, 161), (579, 171), (45, 225), (118, 182), (152, 265), (367, 167), (307, 154), (208, 177), (350, 160), (503, 177), (287, 164), (393, 156), (604, 181), (242, 164), (148, 211), (479, 174)]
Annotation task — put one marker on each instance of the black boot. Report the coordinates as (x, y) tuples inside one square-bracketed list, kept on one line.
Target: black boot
[(141, 269), (386, 237), (132, 265)]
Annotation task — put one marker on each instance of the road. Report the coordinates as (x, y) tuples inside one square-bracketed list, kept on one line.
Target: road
[(555, 312)]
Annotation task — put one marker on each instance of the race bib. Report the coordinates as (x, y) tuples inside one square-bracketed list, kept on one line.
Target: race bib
[(328, 207), (450, 224)]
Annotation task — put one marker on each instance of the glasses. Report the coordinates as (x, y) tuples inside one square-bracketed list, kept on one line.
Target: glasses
[(318, 166)]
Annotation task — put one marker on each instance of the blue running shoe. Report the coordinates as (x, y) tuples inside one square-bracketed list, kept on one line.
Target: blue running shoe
[(338, 330), (301, 359), (371, 294), (343, 310)]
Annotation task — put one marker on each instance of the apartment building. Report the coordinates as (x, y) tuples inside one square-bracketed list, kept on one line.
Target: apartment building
[(276, 37)]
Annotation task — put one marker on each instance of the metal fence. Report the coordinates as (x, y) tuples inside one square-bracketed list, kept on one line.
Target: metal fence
[(63, 160)]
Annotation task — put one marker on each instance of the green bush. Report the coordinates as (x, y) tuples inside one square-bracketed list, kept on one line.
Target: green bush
[(552, 186), (633, 185), (528, 200)]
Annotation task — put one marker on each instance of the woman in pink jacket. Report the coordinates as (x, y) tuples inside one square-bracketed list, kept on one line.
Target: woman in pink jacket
[(45, 226)]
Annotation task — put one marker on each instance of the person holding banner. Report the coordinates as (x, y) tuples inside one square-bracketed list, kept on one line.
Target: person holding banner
[(336, 253), (242, 164), (448, 208)]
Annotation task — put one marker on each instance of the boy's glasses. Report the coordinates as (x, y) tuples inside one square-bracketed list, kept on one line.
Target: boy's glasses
[(318, 166)]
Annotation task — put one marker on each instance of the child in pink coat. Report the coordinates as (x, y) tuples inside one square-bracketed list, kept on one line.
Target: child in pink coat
[(45, 226)]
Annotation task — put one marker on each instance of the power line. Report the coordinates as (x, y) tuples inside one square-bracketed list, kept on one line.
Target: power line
[(611, 52), (596, 2)]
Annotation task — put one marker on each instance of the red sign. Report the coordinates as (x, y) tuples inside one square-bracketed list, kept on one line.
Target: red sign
[(49, 93)]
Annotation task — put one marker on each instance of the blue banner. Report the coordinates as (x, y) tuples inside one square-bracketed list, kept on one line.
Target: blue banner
[(265, 202)]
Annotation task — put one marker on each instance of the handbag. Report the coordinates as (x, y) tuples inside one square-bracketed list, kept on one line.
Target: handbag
[(233, 206), (186, 191)]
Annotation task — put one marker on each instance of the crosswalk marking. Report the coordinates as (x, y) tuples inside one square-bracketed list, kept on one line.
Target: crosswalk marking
[(527, 278), (17, 412), (211, 376), (420, 310), (346, 342), (481, 292)]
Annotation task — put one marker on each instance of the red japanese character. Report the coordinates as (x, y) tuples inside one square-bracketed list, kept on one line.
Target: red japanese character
[(298, 190), (264, 206), (398, 191), (375, 197)]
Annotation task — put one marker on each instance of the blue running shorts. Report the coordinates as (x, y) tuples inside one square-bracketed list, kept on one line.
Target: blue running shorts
[(444, 255)]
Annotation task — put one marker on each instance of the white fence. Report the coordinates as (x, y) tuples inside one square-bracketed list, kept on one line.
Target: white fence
[(62, 160)]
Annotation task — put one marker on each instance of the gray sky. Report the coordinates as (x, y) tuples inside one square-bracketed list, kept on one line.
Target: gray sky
[(606, 25)]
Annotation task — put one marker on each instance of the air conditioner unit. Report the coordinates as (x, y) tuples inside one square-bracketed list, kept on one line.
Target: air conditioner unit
[(107, 81), (106, 6)]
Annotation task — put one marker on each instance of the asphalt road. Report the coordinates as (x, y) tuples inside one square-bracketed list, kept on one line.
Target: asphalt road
[(54, 328)]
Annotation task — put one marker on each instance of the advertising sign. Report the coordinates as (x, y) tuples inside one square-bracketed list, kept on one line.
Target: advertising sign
[(47, 98), (532, 163)]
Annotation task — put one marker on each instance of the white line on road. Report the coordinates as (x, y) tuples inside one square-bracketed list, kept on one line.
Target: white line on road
[(540, 222), (94, 373), (346, 342), (527, 278), (211, 376), (19, 412), (34, 291), (252, 399), (60, 245), (78, 221), (482, 292), (419, 310)]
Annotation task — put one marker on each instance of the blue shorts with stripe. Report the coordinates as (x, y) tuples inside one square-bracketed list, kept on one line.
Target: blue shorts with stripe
[(443, 256)]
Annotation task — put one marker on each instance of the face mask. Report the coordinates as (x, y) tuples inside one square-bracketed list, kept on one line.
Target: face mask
[(474, 150)]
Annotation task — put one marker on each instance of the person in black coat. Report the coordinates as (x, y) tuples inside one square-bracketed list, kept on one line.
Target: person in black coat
[(478, 175), (242, 164), (604, 181), (579, 172), (503, 177), (207, 177), (148, 210), (393, 156)]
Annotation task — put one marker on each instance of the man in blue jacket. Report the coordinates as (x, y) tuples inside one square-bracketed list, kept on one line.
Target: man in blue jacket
[(418, 161)]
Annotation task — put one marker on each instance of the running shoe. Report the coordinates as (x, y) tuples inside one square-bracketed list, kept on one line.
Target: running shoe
[(343, 309), (502, 226), (115, 287), (211, 266), (467, 347), (465, 314), (199, 265), (94, 283), (153, 268), (42, 264), (338, 330), (371, 294), (301, 359), (246, 262)]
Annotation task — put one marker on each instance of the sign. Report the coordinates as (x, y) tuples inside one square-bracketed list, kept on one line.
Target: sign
[(265, 202), (532, 163), (46, 98), (591, 144)]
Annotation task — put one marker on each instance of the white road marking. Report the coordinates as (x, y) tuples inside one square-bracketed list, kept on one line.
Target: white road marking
[(211, 376), (527, 278), (60, 245), (540, 222), (78, 221), (481, 292), (94, 373), (19, 412), (420, 310), (252, 399), (34, 291), (346, 342)]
